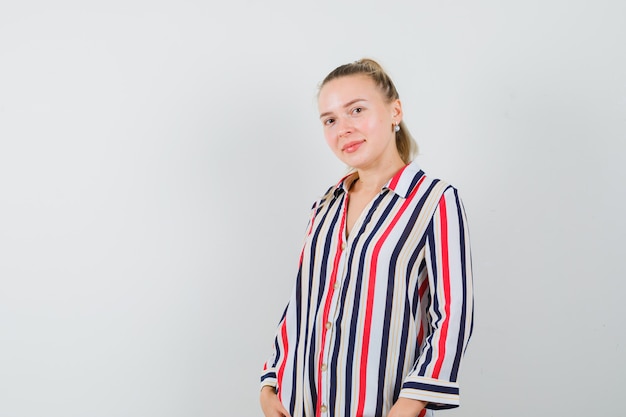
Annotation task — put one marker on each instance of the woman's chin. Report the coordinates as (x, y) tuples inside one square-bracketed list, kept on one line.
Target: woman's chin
[(353, 160)]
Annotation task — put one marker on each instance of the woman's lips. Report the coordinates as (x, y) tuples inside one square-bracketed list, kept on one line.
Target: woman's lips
[(352, 146)]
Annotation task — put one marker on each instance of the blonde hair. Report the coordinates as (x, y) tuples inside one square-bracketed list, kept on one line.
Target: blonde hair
[(406, 145)]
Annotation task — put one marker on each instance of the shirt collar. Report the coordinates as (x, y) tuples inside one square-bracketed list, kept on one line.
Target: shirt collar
[(402, 183)]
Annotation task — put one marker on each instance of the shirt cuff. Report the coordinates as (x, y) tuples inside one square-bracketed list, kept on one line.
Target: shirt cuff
[(439, 394), (268, 379)]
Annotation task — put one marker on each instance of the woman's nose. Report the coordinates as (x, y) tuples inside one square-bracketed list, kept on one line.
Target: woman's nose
[(344, 128)]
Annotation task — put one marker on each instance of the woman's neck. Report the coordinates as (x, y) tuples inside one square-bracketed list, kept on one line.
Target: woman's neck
[(372, 180)]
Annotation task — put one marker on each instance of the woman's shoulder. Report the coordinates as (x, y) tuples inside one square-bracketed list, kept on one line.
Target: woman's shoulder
[(430, 180), (336, 189)]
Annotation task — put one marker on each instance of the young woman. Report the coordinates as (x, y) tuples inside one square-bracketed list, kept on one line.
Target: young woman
[(381, 311)]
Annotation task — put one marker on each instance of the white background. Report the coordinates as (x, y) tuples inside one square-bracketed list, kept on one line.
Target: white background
[(158, 161)]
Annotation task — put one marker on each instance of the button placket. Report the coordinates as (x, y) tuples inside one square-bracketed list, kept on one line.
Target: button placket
[(331, 319), (330, 324)]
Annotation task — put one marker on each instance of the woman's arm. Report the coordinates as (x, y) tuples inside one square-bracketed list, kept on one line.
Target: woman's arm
[(406, 407)]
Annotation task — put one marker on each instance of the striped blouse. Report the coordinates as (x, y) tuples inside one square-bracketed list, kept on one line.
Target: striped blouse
[(382, 314)]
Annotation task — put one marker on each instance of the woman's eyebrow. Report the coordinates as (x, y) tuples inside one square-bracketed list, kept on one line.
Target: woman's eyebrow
[(348, 104)]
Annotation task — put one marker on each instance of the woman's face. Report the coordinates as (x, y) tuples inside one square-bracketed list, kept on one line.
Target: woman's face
[(358, 122)]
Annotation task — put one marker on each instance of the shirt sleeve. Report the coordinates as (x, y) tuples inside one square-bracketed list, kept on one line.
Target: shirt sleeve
[(433, 377), (269, 376), (274, 367)]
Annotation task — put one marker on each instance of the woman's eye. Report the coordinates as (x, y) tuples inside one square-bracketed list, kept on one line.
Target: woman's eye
[(357, 110), (329, 122)]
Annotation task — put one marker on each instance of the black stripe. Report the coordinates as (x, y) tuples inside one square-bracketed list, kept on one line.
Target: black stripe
[(431, 388), (433, 262), (268, 375)]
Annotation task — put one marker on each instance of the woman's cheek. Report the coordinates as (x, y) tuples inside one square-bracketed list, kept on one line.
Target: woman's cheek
[(331, 139)]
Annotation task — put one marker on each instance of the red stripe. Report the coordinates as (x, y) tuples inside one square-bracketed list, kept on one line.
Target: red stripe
[(422, 289), (281, 369), (420, 336), (329, 296), (445, 272), (420, 292), (370, 299), (396, 178), (422, 413)]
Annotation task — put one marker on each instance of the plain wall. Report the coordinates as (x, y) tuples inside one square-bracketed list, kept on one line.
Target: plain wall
[(158, 161)]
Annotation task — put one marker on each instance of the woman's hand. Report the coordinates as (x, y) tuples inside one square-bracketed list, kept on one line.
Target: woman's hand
[(270, 404), (405, 407)]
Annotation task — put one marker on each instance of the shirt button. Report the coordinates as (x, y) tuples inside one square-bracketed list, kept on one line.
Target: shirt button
[(324, 367), (329, 325), (337, 285), (343, 245), (323, 409)]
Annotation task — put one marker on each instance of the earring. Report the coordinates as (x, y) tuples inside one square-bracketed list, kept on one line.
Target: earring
[(396, 128)]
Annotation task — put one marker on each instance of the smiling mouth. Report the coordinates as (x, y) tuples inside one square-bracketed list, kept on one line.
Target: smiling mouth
[(352, 146)]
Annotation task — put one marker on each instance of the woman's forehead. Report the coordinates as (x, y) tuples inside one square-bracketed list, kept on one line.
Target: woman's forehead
[(349, 82), (343, 90)]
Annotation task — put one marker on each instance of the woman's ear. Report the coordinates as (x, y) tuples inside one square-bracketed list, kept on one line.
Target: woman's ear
[(396, 110)]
